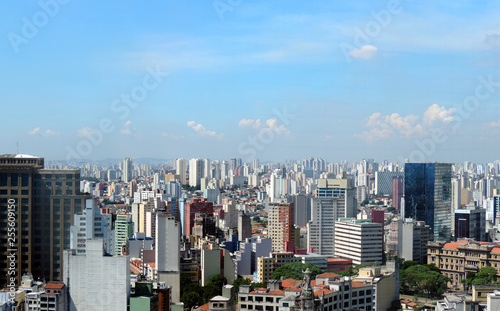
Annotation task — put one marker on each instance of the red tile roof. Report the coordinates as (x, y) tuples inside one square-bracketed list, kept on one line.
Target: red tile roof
[(289, 283), (204, 307), (328, 275), (54, 286), (321, 291), (454, 245)]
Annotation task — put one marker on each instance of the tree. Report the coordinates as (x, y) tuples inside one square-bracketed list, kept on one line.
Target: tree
[(218, 280), (295, 271), (424, 280), (485, 275), (191, 299), (210, 291), (391, 209), (256, 219), (365, 201)]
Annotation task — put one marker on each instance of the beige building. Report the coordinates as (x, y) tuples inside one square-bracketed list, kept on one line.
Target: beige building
[(455, 259), (267, 265), (386, 284)]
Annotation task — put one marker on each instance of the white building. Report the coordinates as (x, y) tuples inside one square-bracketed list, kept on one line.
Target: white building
[(360, 241), (92, 225), (95, 280), (127, 170), (180, 169), (195, 172)]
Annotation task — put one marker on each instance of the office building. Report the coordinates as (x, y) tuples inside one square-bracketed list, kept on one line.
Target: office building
[(428, 196), (95, 280), (413, 237), (360, 241), (44, 202), (335, 198), (470, 223), (384, 182)]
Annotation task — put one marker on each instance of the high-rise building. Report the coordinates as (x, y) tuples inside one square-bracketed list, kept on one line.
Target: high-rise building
[(95, 280), (397, 191), (383, 182), (470, 223), (413, 237), (195, 172), (43, 202), (191, 208), (428, 196), (127, 170), (180, 169), (124, 229), (167, 253), (360, 241), (280, 224), (335, 198), (91, 224)]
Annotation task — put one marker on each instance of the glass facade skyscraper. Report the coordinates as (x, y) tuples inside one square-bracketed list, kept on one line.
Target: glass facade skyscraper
[(427, 189)]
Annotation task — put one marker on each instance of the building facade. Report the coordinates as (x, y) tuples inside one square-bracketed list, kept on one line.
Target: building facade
[(428, 196), (37, 207)]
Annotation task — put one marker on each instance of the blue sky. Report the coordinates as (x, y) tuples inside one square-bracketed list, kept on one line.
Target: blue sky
[(360, 79)]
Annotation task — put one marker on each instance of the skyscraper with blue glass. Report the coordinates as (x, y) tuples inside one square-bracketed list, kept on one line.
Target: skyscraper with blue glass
[(427, 191)]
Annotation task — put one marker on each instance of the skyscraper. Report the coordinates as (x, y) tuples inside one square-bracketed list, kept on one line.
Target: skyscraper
[(44, 202), (397, 191), (195, 172), (428, 196), (335, 198), (281, 224), (127, 170), (180, 169)]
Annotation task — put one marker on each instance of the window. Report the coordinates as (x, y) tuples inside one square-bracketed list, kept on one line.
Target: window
[(3, 180), (25, 180), (14, 180)]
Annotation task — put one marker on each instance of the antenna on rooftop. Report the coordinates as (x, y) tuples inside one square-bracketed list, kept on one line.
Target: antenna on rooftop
[(17, 147)]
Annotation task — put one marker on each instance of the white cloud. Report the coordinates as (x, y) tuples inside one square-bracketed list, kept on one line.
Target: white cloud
[(34, 131), (83, 132), (394, 125), (127, 129), (245, 122), (365, 52), (46, 133), (202, 131), (271, 124), (436, 113)]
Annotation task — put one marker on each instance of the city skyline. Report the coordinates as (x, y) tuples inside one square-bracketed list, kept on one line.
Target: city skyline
[(223, 79)]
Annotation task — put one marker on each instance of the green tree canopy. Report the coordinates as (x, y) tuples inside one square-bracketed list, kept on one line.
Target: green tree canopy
[(218, 280), (424, 280), (485, 275), (295, 271), (191, 299)]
